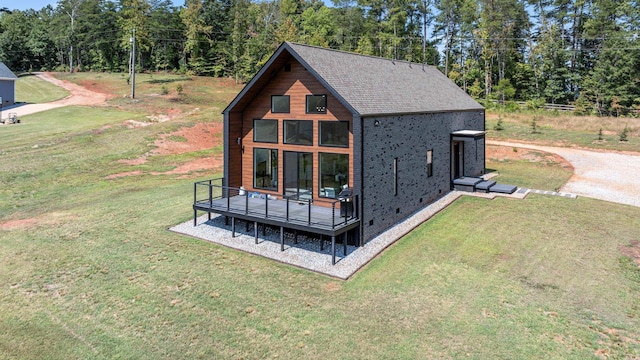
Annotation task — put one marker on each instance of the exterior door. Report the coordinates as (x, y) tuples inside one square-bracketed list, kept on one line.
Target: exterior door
[(298, 174), (457, 159)]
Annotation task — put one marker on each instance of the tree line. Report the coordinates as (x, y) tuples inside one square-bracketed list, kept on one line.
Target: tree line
[(582, 52)]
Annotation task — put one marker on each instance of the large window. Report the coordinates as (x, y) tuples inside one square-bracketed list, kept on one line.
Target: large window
[(265, 130), (334, 133), (298, 132), (316, 104), (334, 174), (265, 169), (280, 103), (429, 163)]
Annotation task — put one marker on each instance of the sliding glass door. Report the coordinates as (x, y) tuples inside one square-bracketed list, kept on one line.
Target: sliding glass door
[(298, 174)]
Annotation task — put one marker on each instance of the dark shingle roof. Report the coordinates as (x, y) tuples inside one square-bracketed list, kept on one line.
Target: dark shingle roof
[(366, 85), (373, 85), (5, 73)]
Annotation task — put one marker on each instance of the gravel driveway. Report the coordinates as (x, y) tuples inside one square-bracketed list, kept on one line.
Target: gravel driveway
[(610, 176), (78, 95)]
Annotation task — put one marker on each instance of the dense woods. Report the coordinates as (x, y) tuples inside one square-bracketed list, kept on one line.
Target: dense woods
[(582, 52)]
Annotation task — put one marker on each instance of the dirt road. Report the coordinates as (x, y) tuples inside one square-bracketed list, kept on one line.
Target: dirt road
[(78, 95), (610, 176)]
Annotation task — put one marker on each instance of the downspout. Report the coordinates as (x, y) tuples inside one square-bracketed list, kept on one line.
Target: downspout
[(226, 147), (361, 213)]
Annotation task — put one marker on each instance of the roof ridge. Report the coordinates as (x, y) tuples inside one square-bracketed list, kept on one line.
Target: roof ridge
[(358, 54)]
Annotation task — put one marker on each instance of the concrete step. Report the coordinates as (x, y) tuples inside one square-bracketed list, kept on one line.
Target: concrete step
[(467, 184), (484, 186), (503, 189)]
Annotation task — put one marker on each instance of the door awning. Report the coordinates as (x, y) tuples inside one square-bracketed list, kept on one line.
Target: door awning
[(474, 134)]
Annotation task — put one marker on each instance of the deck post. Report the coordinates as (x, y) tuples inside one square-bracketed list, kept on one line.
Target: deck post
[(209, 215), (287, 209), (195, 193), (321, 242), (266, 206), (233, 227), (295, 237), (309, 219), (246, 226), (333, 250), (281, 238), (195, 217), (344, 240), (228, 200), (255, 230), (246, 203)]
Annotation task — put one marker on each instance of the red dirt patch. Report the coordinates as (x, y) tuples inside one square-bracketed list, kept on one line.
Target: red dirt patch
[(199, 137), (208, 163), (500, 153), (124, 174), (188, 139), (632, 251), (18, 224)]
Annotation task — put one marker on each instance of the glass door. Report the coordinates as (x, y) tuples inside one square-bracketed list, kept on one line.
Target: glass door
[(298, 174)]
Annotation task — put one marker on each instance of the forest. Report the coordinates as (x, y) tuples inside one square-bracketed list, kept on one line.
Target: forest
[(580, 52)]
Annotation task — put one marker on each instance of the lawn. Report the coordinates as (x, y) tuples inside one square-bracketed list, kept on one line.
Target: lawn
[(565, 130), (31, 89), (90, 271)]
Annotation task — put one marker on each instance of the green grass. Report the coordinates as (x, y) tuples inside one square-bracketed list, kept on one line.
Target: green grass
[(540, 175), (31, 89), (566, 130), (97, 275)]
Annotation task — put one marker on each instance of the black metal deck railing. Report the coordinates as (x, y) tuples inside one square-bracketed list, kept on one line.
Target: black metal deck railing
[(213, 196)]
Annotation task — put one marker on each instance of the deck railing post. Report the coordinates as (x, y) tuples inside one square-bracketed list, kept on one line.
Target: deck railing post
[(309, 218), (210, 195), (333, 215), (287, 209), (266, 206), (246, 202), (195, 193), (228, 199), (356, 207)]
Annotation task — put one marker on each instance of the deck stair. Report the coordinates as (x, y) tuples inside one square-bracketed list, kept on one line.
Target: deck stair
[(471, 184)]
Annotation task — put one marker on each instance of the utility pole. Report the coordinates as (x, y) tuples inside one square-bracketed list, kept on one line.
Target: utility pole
[(133, 64)]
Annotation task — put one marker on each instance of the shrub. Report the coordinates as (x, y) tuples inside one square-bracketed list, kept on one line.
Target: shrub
[(165, 90), (624, 134), (600, 137), (534, 126), (499, 126), (179, 89)]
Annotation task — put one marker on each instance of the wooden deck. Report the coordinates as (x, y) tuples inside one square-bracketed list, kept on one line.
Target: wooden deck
[(291, 214), (334, 219)]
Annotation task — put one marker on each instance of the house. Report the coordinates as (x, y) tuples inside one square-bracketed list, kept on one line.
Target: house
[(7, 85), (315, 121)]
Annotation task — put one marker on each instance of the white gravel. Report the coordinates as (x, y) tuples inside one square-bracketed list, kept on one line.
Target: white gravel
[(306, 254), (611, 176)]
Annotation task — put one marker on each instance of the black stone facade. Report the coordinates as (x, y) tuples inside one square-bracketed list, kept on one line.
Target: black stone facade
[(408, 138)]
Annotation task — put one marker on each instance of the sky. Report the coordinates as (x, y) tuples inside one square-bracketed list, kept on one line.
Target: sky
[(39, 4)]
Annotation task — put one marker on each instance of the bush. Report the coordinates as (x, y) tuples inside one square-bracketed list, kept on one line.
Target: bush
[(179, 89), (624, 134), (499, 126), (165, 90), (534, 126)]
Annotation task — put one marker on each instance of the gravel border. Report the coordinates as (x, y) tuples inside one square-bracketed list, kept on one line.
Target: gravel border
[(307, 254)]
